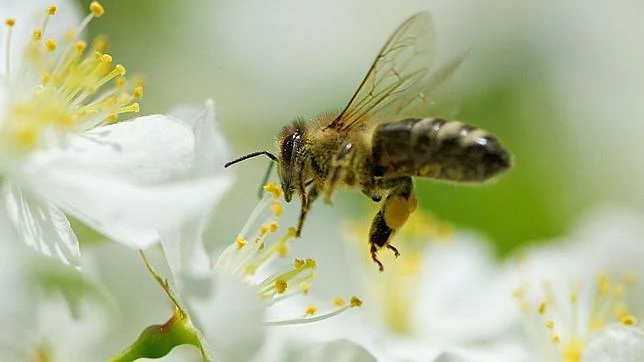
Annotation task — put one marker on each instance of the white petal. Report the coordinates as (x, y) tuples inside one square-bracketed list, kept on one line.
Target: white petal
[(144, 151), (130, 214), (341, 350), (464, 296), (41, 225), (184, 250), (127, 180), (615, 343), (230, 315)]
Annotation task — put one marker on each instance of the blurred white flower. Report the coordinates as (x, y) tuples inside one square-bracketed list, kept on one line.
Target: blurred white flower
[(444, 299), (580, 295), (62, 151)]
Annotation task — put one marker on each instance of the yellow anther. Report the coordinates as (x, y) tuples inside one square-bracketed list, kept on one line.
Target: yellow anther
[(101, 43), (311, 310), (310, 264), (134, 107), (106, 58), (277, 208), (298, 263), (45, 77), (263, 229), (120, 69), (339, 302), (556, 339), (10, 22), (27, 138), (120, 82), (51, 10), (629, 278), (629, 320), (355, 302), (273, 226), (274, 190), (97, 9), (36, 35), (291, 232), (112, 118), (240, 242), (305, 287), (550, 324), (80, 46), (282, 249), (518, 294), (281, 285), (50, 44), (542, 308), (70, 35), (573, 298), (138, 93)]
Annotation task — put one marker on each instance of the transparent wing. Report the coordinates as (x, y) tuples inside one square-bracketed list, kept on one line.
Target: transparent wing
[(399, 80)]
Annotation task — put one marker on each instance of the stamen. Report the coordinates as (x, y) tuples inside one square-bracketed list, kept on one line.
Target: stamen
[(10, 22)]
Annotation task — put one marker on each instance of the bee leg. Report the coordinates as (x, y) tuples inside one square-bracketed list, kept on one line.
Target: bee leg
[(393, 214), (307, 199), (340, 163)]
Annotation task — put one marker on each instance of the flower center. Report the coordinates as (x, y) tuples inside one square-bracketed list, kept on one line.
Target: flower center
[(257, 262), (568, 323), (61, 86), (397, 289)]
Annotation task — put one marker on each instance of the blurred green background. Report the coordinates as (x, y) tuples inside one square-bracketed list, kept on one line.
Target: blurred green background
[(560, 83)]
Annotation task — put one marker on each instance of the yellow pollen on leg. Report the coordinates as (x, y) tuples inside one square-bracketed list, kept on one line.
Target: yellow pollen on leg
[(396, 212)]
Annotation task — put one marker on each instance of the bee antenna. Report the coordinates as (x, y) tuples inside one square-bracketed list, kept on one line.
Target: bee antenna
[(251, 155)]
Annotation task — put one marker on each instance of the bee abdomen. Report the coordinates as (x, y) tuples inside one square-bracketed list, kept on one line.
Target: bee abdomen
[(437, 148)]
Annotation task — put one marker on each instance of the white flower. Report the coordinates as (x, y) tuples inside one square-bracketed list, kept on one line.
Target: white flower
[(443, 299), (62, 152), (250, 287), (580, 295)]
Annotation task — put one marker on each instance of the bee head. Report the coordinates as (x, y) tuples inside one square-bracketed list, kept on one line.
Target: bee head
[(289, 144)]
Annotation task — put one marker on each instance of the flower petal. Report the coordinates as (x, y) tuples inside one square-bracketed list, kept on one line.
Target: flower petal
[(41, 225), (184, 250), (615, 343), (230, 315), (341, 350), (128, 181)]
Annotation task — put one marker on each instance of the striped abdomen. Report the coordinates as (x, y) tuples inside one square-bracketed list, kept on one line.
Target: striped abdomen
[(436, 148)]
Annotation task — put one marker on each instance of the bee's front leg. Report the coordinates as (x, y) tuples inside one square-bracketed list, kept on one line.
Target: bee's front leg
[(307, 199), (341, 162), (393, 214)]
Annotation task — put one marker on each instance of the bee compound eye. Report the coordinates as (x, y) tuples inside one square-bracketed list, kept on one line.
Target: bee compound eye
[(289, 145)]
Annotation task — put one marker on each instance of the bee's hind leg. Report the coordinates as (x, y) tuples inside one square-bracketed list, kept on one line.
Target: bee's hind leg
[(393, 214)]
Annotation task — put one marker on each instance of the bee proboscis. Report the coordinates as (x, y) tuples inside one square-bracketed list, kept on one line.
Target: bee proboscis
[(378, 143)]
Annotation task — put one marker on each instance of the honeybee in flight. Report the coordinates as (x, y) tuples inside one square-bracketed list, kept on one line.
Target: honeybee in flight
[(374, 146)]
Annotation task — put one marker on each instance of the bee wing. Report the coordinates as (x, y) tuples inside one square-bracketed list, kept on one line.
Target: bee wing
[(399, 78)]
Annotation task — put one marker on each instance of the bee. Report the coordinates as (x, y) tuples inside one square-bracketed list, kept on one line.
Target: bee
[(378, 144)]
